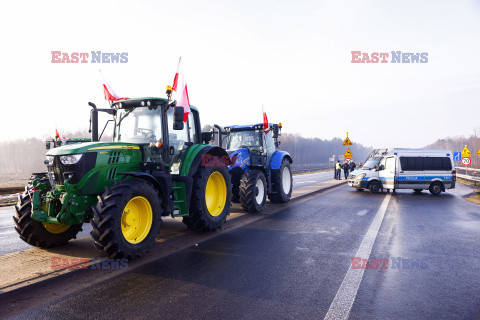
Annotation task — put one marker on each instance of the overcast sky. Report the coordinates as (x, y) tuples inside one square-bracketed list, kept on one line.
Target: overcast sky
[(294, 57)]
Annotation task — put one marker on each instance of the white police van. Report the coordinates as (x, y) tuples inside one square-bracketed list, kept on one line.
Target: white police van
[(417, 169)]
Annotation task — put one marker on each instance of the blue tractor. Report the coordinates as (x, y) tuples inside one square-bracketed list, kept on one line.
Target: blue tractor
[(257, 168)]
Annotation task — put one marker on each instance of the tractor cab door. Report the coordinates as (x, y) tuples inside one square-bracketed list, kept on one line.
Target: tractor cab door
[(269, 145)]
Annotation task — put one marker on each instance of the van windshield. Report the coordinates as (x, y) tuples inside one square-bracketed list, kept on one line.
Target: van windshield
[(371, 163)]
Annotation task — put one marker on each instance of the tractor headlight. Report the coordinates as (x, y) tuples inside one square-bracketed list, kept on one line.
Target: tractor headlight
[(360, 176), (49, 160), (71, 159)]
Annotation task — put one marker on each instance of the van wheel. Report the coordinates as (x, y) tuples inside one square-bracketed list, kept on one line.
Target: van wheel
[(435, 188), (417, 190), (374, 187)]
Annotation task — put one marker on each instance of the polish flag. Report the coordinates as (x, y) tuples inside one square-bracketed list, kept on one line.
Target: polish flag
[(108, 92), (181, 92), (265, 121), (59, 136)]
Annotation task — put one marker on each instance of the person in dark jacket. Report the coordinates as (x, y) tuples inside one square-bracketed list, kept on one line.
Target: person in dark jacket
[(346, 168), (352, 166)]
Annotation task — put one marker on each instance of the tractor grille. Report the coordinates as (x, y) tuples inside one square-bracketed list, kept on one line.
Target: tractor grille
[(76, 171)]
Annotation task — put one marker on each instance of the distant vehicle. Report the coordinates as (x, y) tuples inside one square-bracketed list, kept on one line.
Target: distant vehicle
[(417, 169)]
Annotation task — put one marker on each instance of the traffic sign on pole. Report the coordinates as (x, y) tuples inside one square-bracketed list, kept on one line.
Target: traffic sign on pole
[(347, 141), (457, 156), (466, 161), (466, 153), (348, 154), (347, 160)]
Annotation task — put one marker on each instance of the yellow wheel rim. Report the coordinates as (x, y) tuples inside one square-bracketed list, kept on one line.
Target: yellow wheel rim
[(54, 227), (137, 220), (215, 194)]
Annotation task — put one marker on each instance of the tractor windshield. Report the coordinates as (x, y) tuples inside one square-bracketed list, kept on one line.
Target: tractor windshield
[(139, 126), (244, 139)]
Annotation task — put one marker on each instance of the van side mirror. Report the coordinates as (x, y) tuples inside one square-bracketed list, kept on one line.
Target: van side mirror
[(381, 167), (178, 115)]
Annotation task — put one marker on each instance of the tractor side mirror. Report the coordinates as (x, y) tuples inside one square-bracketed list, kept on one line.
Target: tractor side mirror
[(207, 137), (276, 131), (47, 145), (178, 115)]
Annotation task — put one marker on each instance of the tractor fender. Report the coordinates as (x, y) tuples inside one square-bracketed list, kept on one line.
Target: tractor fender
[(240, 159), (277, 159), (197, 156), (161, 180)]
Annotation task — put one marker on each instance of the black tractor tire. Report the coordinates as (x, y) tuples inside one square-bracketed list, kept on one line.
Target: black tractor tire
[(435, 188), (374, 187), (109, 222), (279, 195), (249, 191), (42, 176), (200, 218), (417, 190), (34, 232)]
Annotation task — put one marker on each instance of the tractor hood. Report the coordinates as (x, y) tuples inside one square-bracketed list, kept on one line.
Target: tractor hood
[(239, 158), (91, 147)]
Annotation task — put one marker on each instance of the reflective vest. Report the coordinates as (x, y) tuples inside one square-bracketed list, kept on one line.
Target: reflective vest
[(338, 166)]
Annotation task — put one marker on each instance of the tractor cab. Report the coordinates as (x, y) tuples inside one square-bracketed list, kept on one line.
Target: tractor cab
[(257, 168)]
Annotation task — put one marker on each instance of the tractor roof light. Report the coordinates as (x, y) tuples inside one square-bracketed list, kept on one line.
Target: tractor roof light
[(280, 125), (169, 89)]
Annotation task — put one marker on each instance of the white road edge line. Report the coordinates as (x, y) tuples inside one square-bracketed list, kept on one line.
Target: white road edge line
[(343, 302)]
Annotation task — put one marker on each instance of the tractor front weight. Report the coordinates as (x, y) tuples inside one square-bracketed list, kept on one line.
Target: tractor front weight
[(62, 205)]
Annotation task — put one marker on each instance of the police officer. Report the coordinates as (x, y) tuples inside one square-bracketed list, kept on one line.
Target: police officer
[(346, 168), (352, 166), (338, 170)]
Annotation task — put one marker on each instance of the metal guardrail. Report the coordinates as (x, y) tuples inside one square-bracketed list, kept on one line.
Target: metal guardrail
[(473, 179)]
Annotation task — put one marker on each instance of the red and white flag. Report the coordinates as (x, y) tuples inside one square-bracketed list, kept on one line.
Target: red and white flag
[(265, 121), (59, 136), (181, 92), (108, 92)]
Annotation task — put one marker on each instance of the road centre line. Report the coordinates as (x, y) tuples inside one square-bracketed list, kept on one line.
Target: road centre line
[(343, 302)]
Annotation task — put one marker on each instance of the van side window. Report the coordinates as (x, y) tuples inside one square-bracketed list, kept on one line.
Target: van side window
[(426, 163), (390, 163)]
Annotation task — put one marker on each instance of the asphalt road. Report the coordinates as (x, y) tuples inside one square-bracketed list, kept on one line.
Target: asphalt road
[(297, 263), (10, 242)]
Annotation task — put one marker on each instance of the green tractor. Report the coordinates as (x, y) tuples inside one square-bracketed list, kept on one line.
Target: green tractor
[(156, 166)]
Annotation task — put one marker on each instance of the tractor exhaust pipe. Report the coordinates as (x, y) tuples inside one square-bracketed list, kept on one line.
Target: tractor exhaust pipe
[(93, 122)]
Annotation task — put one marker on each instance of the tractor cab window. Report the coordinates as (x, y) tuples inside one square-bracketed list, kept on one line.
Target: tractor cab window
[(139, 126), (270, 143), (177, 138), (193, 128), (244, 139)]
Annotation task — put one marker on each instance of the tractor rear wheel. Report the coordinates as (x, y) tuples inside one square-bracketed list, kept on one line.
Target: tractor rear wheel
[(283, 184), (127, 219), (211, 199), (253, 191), (40, 234)]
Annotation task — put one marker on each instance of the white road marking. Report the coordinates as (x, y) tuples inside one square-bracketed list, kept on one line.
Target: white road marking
[(362, 213), (345, 297)]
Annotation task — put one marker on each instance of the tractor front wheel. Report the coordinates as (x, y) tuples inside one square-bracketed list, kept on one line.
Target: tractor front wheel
[(253, 191), (211, 199), (40, 234), (127, 219)]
